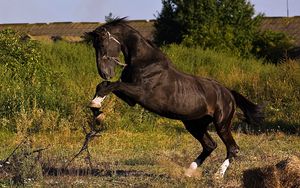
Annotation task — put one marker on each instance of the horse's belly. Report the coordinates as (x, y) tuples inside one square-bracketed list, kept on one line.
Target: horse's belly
[(189, 107), (180, 99)]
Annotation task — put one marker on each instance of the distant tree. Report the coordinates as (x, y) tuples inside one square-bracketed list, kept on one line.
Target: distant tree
[(169, 27), (216, 24)]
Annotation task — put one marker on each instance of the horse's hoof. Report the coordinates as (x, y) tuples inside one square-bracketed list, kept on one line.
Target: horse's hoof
[(94, 105), (96, 102), (189, 172), (219, 175), (100, 118)]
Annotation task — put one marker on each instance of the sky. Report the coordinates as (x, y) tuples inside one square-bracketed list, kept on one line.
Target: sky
[(45, 11)]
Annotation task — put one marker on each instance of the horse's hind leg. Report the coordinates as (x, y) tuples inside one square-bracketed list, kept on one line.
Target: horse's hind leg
[(198, 128), (224, 131)]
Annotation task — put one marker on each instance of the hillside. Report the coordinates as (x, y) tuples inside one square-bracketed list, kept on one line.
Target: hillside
[(73, 31)]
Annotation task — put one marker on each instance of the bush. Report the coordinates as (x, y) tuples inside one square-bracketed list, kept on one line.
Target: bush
[(223, 25), (273, 46), (19, 55), (22, 72)]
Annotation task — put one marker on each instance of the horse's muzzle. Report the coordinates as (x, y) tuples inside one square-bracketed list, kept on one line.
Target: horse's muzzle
[(105, 76), (106, 69)]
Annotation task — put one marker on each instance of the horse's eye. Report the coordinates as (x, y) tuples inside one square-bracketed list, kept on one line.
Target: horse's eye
[(103, 35)]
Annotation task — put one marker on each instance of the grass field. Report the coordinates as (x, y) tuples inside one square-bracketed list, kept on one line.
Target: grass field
[(138, 148), (155, 158)]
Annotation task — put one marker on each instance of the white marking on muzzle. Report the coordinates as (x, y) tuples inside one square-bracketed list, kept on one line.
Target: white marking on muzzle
[(96, 102)]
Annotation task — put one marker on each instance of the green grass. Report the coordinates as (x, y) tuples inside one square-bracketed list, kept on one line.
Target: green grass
[(52, 109)]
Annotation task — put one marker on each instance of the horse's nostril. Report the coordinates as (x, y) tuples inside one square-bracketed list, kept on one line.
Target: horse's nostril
[(103, 75)]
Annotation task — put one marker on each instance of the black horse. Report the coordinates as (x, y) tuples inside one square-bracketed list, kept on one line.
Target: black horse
[(150, 80)]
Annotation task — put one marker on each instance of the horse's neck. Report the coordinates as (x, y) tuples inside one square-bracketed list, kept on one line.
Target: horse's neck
[(142, 53)]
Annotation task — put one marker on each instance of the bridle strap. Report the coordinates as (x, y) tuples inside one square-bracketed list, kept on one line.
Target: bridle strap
[(112, 37), (115, 59)]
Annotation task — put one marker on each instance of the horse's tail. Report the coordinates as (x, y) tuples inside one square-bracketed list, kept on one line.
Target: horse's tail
[(253, 114)]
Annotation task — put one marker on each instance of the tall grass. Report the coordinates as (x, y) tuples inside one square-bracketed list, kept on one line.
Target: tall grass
[(65, 83)]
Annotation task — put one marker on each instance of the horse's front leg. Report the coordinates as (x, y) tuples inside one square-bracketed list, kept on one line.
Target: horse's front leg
[(125, 98), (119, 88)]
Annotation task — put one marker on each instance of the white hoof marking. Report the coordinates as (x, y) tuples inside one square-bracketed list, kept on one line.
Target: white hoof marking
[(222, 169), (96, 102), (191, 170), (193, 166)]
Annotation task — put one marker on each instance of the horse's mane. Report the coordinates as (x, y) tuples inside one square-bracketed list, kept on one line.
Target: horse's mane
[(115, 21), (123, 21), (112, 22)]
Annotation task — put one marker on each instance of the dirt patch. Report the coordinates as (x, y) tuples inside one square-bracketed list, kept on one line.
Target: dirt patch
[(284, 174)]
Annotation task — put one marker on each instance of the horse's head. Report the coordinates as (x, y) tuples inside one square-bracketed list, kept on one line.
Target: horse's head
[(108, 47)]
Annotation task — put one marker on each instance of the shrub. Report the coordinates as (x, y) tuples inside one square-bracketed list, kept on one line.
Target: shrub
[(222, 25), (19, 55), (22, 72), (273, 46)]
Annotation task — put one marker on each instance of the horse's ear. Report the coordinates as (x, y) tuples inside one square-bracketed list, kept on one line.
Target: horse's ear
[(90, 34), (89, 37)]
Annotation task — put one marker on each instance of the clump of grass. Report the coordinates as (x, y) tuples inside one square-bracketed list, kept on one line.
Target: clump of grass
[(25, 165)]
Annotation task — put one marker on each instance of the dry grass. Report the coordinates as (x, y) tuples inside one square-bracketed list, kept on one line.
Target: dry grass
[(156, 158)]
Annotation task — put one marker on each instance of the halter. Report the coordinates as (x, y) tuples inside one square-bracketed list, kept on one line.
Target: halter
[(115, 59), (112, 37)]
